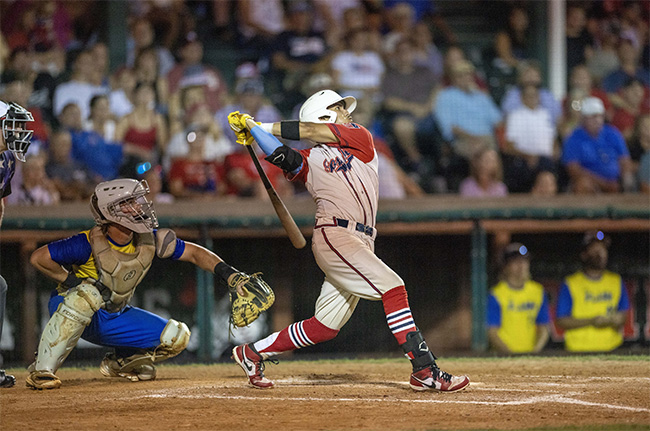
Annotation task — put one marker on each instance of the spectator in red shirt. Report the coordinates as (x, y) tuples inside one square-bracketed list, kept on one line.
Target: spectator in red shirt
[(634, 104), (192, 176)]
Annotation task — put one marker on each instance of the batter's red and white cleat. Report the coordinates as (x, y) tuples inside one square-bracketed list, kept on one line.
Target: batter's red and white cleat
[(433, 378), (253, 365)]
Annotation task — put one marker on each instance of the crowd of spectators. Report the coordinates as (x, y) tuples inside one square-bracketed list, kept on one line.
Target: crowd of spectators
[(442, 123)]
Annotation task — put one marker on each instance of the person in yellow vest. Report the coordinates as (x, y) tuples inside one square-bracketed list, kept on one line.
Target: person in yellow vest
[(517, 314), (592, 303)]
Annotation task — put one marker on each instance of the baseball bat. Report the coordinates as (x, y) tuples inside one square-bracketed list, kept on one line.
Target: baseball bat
[(289, 224)]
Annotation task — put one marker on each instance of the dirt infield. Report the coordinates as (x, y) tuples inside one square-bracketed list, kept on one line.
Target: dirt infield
[(511, 393)]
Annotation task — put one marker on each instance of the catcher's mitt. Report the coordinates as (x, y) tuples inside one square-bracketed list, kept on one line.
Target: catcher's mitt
[(259, 297)]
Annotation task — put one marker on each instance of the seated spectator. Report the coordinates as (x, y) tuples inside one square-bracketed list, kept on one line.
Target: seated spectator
[(143, 132), (426, 52), (510, 48), (545, 185), (217, 145), (192, 72), (604, 59), (630, 67), (642, 140), (467, 118), (35, 188), (147, 71), (121, 97), (102, 159), (580, 86), (394, 182), (408, 93), (485, 176), (192, 176), (453, 56), (517, 313), (100, 119), (297, 52), (632, 106), (529, 73), (259, 22), (579, 43), (358, 72), (142, 37), (595, 155), (71, 179), (593, 302), (530, 145), (400, 19), (249, 98), (17, 90), (79, 89), (330, 18), (243, 180)]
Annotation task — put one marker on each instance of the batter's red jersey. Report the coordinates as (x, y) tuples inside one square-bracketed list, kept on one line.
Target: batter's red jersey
[(342, 176)]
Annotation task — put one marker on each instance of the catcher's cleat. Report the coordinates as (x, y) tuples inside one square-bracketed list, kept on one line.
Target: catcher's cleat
[(6, 380), (253, 365), (433, 378), (42, 380), (135, 370)]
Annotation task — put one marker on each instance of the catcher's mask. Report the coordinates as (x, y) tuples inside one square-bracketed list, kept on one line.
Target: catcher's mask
[(13, 120), (316, 107), (124, 202)]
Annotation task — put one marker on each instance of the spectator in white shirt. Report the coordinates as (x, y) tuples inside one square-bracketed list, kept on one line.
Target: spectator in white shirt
[(530, 142), (78, 89)]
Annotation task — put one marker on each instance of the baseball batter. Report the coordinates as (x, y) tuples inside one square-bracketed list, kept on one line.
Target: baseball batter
[(340, 172), (98, 271), (14, 143)]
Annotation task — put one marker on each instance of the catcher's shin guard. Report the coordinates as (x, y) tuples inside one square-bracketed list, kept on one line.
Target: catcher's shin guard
[(61, 334)]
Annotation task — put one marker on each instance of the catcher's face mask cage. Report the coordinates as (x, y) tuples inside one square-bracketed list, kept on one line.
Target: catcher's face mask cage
[(124, 202), (315, 109), (13, 120)]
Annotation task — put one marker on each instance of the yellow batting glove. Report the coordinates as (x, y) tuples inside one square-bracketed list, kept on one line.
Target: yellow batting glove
[(244, 137), (235, 122)]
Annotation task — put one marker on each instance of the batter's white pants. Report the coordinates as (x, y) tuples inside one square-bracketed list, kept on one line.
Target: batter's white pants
[(352, 271)]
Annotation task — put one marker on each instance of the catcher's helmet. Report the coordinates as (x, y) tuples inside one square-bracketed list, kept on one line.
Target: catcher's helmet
[(124, 202), (317, 106), (13, 119)]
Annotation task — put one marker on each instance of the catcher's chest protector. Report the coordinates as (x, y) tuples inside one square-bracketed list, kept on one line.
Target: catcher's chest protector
[(120, 272)]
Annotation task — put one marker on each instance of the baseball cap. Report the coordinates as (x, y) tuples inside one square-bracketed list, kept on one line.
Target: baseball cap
[(592, 106), (595, 236), (513, 251)]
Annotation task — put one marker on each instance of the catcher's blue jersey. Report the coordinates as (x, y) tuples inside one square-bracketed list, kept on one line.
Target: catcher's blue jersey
[(7, 171), (131, 328)]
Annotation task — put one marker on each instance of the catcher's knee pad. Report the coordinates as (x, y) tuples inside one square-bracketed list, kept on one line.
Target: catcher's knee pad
[(173, 340), (63, 330)]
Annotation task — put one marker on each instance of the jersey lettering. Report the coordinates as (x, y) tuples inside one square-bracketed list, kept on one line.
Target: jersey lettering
[(339, 165)]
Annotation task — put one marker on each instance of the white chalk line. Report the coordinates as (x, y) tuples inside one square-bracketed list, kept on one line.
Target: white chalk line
[(532, 400)]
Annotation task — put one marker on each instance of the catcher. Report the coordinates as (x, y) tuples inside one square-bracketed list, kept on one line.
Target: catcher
[(98, 271)]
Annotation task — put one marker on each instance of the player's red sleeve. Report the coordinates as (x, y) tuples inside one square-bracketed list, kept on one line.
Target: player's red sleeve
[(356, 139)]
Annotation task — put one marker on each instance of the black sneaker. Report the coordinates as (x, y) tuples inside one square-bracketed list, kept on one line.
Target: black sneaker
[(6, 380)]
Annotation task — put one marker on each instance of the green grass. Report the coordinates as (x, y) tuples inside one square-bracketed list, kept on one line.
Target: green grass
[(583, 428)]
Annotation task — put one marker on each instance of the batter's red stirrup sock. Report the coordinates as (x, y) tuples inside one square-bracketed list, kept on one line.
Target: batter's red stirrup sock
[(398, 313), (295, 336)]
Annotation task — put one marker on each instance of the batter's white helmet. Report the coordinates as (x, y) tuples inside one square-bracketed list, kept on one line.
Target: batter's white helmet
[(13, 119), (316, 106), (124, 202)]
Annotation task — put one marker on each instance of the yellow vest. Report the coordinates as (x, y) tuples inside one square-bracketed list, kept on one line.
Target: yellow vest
[(591, 298), (519, 310)]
